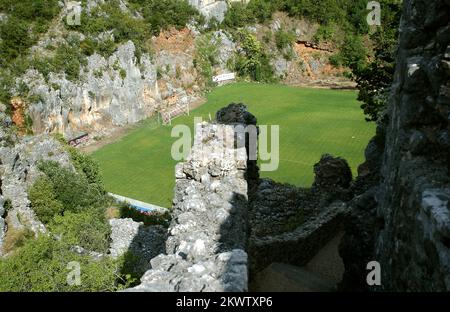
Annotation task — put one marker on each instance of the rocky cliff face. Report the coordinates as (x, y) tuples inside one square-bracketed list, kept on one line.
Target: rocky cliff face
[(128, 86), (114, 91), (211, 8), (19, 159), (404, 216), (121, 89)]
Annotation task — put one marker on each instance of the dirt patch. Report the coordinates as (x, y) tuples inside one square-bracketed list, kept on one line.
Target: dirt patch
[(308, 55), (114, 135), (18, 113), (174, 40)]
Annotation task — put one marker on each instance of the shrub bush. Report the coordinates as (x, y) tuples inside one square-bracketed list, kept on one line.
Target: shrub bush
[(72, 189), (253, 62), (43, 200), (237, 16), (88, 229), (325, 32), (15, 39), (42, 265), (284, 39), (163, 14), (261, 10), (15, 238), (86, 165), (206, 57), (27, 19), (352, 54)]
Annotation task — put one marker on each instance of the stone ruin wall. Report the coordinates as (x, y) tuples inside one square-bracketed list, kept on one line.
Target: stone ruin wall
[(206, 247), (401, 215), (217, 239), (413, 242)]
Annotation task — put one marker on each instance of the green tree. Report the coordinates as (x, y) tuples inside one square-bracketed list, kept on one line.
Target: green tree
[(163, 14), (284, 39), (261, 10), (374, 79), (15, 40), (73, 189), (237, 16), (43, 200), (253, 62), (206, 56), (42, 265), (88, 229), (86, 165)]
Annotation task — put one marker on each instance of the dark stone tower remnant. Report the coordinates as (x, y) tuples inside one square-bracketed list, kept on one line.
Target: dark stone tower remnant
[(247, 132), (333, 176)]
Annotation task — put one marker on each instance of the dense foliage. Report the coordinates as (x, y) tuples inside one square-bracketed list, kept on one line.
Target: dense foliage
[(67, 58), (43, 200), (110, 18), (61, 190), (26, 20), (206, 57), (72, 189), (375, 79), (163, 14), (43, 264), (88, 229), (73, 206), (284, 39), (350, 14), (240, 15), (252, 62)]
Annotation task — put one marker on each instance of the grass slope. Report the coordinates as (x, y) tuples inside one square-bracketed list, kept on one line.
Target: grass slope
[(312, 122)]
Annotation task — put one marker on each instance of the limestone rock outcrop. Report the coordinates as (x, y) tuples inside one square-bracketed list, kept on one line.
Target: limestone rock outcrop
[(19, 160), (211, 9), (111, 92), (413, 208)]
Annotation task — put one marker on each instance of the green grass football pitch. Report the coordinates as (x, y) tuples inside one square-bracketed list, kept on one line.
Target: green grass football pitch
[(312, 122)]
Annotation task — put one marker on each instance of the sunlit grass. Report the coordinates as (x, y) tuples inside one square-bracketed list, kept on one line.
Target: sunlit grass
[(312, 122)]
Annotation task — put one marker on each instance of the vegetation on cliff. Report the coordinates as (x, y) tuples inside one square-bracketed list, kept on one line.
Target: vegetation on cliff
[(73, 205), (368, 54)]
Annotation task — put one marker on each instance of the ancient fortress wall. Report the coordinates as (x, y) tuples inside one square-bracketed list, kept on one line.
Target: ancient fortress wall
[(413, 242), (206, 248)]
